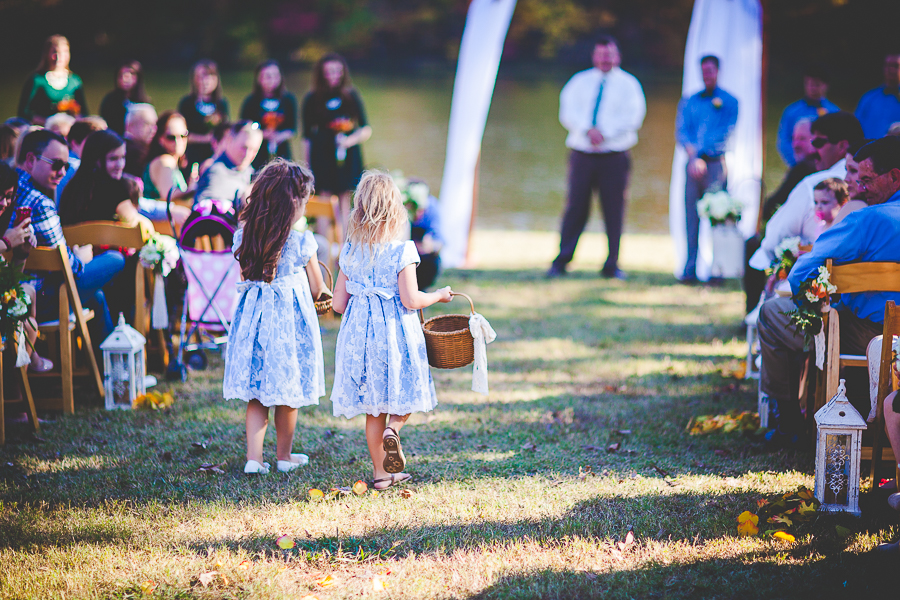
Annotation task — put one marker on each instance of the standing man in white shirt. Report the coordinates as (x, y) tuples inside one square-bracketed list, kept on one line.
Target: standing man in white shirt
[(602, 108)]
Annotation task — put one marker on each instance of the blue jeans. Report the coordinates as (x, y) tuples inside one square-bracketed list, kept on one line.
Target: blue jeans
[(96, 274)]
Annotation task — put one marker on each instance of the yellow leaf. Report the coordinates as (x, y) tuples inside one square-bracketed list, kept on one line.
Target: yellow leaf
[(326, 581), (805, 493), (761, 502), (378, 585), (147, 587), (315, 494), (360, 488), (747, 516), (781, 535), (285, 542), (747, 529), (806, 508)]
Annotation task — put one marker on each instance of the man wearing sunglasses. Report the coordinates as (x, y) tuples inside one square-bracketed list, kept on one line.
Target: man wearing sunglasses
[(44, 157), (867, 235), (229, 176), (832, 137)]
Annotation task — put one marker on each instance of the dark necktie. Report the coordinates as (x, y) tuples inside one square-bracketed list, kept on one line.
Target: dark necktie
[(597, 104)]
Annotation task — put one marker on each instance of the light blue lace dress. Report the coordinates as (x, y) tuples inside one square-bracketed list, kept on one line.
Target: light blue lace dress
[(381, 365), (274, 349)]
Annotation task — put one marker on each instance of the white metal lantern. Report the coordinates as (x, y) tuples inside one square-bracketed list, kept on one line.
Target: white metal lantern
[(123, 365), (838, 454)]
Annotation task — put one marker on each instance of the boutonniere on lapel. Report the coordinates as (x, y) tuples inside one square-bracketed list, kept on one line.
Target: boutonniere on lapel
[(717, 102)]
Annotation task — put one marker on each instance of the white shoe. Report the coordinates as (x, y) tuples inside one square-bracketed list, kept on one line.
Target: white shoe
[(254, 468), (297, 460)]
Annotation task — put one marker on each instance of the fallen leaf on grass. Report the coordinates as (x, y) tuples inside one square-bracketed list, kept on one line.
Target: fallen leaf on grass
[(245, 564), (360, 488), (842, 532), (208, 577), (585, 472), (613, 447), (326, 581), (315, 494), (660, 470), (529, 446), (285, 542), (781, 535), (378, 584), (309, 597), (629, 540), (406, 494), (340, 491), (781, 519), (147, 587), (747, 524), (212, 468)]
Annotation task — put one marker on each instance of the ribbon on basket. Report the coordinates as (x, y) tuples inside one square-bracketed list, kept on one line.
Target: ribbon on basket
[(483, 334), (159, 317), (23, 357)]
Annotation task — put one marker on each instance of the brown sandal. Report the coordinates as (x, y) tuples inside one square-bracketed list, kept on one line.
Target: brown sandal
[(394, 460), (392, 479)]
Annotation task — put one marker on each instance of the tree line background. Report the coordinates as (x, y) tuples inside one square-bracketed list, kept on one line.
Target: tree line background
[(850, 36)]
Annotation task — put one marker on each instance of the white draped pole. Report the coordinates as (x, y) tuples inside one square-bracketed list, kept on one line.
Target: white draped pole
[(732, 31), (476, 73)]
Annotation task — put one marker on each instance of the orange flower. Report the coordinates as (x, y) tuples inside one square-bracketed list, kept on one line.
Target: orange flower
[(68, 105), (271, 120)]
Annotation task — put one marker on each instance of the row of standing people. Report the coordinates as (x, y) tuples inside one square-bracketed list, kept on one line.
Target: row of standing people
[(332, 115)]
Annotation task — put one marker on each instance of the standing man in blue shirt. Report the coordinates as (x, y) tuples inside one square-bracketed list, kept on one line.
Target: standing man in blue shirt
[(703, 125), (867, 235), (813, 105), (878, 109)]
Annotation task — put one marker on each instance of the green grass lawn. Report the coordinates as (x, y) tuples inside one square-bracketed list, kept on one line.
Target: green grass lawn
[(514, 496)]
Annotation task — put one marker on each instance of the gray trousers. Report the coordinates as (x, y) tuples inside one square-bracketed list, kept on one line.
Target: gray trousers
[(715, 179), (606, 172), (783, 355)]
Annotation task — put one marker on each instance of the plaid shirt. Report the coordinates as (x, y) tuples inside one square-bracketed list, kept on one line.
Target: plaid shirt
[(47, 228)]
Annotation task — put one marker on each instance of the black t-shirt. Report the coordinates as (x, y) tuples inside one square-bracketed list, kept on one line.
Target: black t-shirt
[(202, 116), (278, 114), (113, 109)]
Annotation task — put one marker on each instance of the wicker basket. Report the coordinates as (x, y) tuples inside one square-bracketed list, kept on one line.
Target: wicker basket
[(448, 339), (323, 306)]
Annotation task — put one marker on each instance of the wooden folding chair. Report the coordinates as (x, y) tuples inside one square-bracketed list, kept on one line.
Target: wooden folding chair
[(855, 278), (887, 383), (29, 398), (56, 260), (327, 209), (110, 233)]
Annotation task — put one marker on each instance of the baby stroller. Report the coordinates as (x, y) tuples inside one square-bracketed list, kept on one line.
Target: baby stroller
[(211, 273)]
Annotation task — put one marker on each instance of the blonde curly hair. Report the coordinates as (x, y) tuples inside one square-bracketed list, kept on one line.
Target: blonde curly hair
[(378, 214)]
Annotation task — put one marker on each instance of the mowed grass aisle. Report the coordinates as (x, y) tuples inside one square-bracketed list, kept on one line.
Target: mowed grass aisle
[(515, 494)]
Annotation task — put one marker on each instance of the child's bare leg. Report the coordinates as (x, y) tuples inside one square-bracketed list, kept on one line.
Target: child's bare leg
[(396, 422), (285, 425), (374, 431), (257, 422)]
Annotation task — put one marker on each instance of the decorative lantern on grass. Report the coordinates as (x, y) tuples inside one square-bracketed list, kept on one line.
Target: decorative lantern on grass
[(838, 454), (123, 366)]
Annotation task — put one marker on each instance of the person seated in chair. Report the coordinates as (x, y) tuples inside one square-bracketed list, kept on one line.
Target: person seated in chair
[(44, 158), (866, 235), (228, 178)]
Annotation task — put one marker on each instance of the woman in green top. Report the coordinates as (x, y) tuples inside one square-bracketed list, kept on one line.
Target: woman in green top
[(52, 88), (167, 158)]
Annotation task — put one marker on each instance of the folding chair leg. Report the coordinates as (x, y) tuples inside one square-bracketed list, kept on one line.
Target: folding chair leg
[(32, 411), (66, 371)]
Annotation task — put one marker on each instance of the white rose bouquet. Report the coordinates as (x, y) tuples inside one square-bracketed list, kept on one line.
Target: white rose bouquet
[(720, 207), (159, 254)]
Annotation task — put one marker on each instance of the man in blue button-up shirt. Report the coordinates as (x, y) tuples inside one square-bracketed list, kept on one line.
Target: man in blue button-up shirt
[(878, 109), (813, 105), (866, 235), (703, 125)]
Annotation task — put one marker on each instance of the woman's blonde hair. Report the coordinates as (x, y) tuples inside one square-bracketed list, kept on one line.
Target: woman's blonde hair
[(378, 214)]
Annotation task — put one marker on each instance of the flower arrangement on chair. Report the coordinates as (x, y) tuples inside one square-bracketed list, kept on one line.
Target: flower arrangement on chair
[(14, 308), (160, 255), (786, 254), (812, 300)]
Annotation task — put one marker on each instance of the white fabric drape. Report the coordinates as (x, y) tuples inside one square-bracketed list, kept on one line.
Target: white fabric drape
[(482, 334), (476, 73), (732, 31)]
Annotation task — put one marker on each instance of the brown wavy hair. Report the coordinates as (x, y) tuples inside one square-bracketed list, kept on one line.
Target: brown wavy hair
[(276, 200)]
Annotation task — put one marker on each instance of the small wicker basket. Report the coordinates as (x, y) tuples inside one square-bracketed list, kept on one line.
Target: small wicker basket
[(323, 303), (448, 340)]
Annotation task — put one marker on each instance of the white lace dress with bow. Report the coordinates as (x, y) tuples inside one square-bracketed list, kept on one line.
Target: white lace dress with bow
[(381, 366), (274, 349)]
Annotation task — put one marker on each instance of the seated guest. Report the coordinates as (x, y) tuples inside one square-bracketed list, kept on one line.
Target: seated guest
[(140, 128), (830, 196), (167, 158), (15, 238), (44, 158), (813, 105), (833, 135), (866, 235), (129, 90), (424, 232), (229, 176), (804, 164), (857, 196), (97, 192), (8, 137), (878, 109), (77, 135), (59, 123)]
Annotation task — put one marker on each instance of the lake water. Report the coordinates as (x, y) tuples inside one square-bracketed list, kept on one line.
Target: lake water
[(523, 166)]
